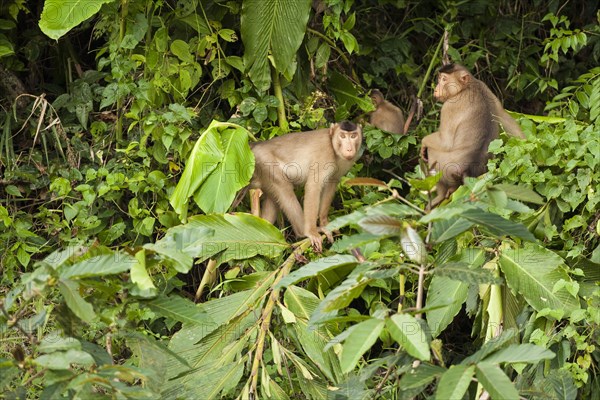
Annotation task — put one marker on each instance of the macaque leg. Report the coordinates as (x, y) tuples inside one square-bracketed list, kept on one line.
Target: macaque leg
[(286, 199), (311, 210), (269, 209), (255, 201), (326, 199)]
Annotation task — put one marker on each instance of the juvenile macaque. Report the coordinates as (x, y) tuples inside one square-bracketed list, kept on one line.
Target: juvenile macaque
[(387, 116), (316, 160), (468, 123)]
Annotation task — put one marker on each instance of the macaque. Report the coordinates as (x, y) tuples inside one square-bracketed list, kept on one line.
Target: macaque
[(316, 160), (468, 123), (386, 116)]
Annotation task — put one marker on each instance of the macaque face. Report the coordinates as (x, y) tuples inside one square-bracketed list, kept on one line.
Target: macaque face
[(346, 143), (449, 85)]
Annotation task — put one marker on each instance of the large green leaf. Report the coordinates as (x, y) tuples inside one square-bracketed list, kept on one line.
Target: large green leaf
[(204, 158), (406, 330), (104, 264), (520, 353), (276, 28), (222, 237), (362, 336), (315, 267), (60, 16), (448, 293), (302, 303), (81, 308), (233, 173), (455, 382), (495, 381), (533, 271), (180, 309), (498, 225), (220, 164)]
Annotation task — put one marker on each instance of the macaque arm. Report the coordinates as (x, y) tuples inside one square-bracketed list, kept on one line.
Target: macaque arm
[(312, 195), (326, 200)]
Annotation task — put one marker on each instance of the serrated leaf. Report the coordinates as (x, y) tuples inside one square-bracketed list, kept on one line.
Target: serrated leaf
[(179, 309), (104, 264), (520, 353), (421, 376), (448, 293), (455, 382), (406, 330), (498, 225), (316, 267), (532, 271), (447, 229), (495, 381), (490, 346), (520, 193), (460, 271), (381, 225), (362, 337)]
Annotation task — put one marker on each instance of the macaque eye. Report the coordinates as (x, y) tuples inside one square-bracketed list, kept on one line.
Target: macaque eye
[(353, 136), (343, 135)]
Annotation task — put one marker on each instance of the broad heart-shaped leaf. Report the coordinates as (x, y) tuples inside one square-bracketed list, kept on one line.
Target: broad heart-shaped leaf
[(222, 237), (204, 158), (406, 330), (60, 16), (81, 308), (455, 382), (533, 271), (360, 339), (498, 225), (104, 264), (520, 353), (495, 381), (233, 173), (315, 267), (274, 27)]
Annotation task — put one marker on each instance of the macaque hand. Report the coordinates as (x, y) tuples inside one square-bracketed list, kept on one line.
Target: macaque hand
[(315, 240), (327, 233)]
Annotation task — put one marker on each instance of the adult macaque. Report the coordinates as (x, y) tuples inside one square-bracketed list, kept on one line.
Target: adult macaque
[(386, 116), (468, 123), (316, 160)]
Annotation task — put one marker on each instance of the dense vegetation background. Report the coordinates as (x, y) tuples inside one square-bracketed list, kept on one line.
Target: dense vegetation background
[(125, 275)]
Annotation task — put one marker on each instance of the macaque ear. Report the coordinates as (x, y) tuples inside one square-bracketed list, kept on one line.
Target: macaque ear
[(331, 129), (465, 77)]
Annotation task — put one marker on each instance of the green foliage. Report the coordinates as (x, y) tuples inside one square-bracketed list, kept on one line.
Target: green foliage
[(97, 175)]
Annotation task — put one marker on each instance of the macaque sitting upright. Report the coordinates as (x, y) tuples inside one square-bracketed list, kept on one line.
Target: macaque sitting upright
[(316, 160), (386, 116), (468, 123)]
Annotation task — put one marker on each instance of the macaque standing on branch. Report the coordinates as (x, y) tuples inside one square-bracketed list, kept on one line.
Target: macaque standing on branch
[(386, 116), (468, 123), (316, 160)]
